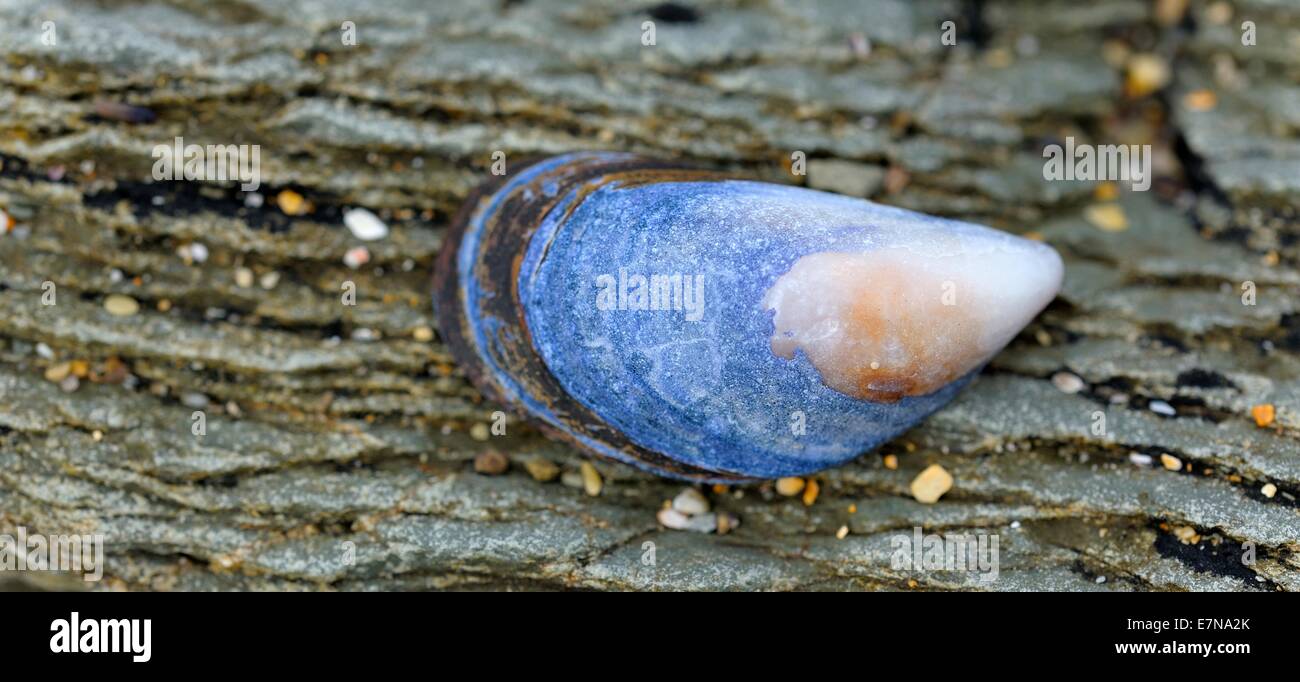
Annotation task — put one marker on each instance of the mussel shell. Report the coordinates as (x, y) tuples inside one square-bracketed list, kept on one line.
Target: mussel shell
[(704, 400)]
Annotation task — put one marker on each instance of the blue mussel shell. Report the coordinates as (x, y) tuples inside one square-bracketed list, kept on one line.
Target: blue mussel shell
[(632, 307)]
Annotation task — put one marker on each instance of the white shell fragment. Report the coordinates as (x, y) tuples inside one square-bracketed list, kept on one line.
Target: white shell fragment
[(675, 520), (691, 502), (364, 225), (356, 257)]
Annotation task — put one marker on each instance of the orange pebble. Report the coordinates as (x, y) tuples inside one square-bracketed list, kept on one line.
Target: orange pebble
[(1200, 100), (291, 202), (810, 492)]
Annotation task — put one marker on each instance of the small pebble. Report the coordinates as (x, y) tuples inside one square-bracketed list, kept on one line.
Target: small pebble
[(571, 479), (790, 486), (671, 518), (591, 481), (810, 492), (1140, 459), (479, 431), (1269, 490), (70, 383), (356, 257), (491, 463), (1147, 73), (1108, 217), (704, 523), (891, 462), (1162, 407), (1200, 100), (364, 225), (243, 278), (1263, 414), (44, 351), (254, 200), (121, 306), (931, 484), (6, 223), (193, 253), (114, 371), (194, 400), (97, 435), (269, 280), (1066, 382), (675, 520), (56, 373), (422, 334), (1170, 462), (727, 523), (842, 533), (691, 502), (541, 469), (291, 202)]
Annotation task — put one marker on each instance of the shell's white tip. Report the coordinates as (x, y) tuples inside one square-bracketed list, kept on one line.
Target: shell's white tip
[(907, 318), (1037, 281)]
